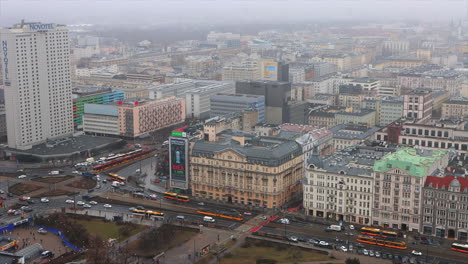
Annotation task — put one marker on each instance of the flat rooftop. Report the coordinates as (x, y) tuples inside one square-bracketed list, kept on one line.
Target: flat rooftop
[(67, 146)]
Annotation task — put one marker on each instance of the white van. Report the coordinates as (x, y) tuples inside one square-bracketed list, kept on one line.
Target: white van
[(208, 219), (180, 218)]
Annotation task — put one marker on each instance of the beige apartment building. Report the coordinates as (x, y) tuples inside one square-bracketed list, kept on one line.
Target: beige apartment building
[(243, 169), (455, 108), (340, 187)]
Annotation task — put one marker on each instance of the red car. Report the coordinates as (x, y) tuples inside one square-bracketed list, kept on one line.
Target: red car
[(3, 197), (157, 181), (22, 198), (11, 212)]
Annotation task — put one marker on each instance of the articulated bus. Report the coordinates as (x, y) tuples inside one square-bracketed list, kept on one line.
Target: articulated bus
[(131, 156), (177, 197), (147, 212), (384, 242), (460, 247), (377, 232), (116, 177), (236, 217)]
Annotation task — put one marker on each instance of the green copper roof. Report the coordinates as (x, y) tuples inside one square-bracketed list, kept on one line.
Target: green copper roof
[(407, 159)]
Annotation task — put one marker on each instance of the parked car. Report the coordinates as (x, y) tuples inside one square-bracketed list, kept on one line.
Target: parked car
[(314, 241), (24, 198), (248, 213), (86, 206), (108, 206), (93, 202), (371, 253), (157, 181), (44, 200), (344, 249), (263, 217), (180, 218), (365, 252), (80, 203), (416, 253), (3, 197), (302, 239), (42, 231), (323, 243), (377, 254), (292, 238), (22, 176), (69, 201), (47, 254), (2, 191), (284, 221), (11, 212)]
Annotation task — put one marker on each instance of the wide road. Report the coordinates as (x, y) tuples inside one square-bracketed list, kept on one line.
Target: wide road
[(307, 231)]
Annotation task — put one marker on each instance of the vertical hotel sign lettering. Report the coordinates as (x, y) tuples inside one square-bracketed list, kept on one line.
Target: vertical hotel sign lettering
[(5, 58)]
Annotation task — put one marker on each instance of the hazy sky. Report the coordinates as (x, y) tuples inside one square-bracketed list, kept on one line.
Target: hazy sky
[(229, 11)]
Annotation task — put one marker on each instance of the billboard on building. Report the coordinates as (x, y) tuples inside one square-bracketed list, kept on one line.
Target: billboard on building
[(270, 71), (178, 162)]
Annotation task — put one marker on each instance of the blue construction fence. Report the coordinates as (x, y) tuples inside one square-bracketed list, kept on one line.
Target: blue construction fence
[(9, 228), (62, 236)]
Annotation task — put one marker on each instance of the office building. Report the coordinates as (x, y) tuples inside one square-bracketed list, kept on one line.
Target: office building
[(418, 78), (240, 168), (92, 95), (277, 95), (274, 70), (399, 181), (364, 117), (36, 72), (223, 104), (198, 100), (350, 135), (240, 72), (417, 105), (243, 121), (134, 117)]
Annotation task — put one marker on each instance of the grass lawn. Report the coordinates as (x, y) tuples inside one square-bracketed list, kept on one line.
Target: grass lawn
[(291, 255), (52, 179), (180, 237), (107, 229)]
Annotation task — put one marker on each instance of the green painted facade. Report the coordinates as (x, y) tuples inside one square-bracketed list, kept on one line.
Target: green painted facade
[(105, 98), (408, 160)]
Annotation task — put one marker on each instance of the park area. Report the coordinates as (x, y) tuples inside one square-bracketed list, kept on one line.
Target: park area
[(160, 240), (108, 229), (83, 183), (255, 251), (23, 188), (52, 180)]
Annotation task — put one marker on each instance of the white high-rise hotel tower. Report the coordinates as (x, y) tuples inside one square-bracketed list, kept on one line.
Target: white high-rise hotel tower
[(35, 60)]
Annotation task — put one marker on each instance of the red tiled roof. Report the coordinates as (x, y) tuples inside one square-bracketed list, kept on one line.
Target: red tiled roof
[(443, 183)]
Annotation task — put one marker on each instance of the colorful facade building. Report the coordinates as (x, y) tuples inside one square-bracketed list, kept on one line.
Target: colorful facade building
[(105, 97)]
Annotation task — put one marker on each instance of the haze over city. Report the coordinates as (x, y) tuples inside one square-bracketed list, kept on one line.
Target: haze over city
[(236, 132)]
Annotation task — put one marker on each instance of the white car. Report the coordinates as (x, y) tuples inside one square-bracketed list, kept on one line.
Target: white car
[(284, 221), (86, 206), (293, 239), (76, 172), (351, 227), (323, 243), (108, 206), (344, 249), (93, 202), (69, 201), (416, 253), (22, 176), (44, 200), (80, 203)]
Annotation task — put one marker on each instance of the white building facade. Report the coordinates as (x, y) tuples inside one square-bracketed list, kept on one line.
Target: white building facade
[(36, 69)]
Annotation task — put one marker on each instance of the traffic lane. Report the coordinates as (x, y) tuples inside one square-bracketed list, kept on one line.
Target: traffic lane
[(147, 165), (330, 237), (119, 209)]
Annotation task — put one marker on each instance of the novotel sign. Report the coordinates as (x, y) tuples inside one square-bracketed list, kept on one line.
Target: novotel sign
[(5, 58), (41, 27)]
